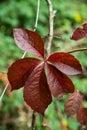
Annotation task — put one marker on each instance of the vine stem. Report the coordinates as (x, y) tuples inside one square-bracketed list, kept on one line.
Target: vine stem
[(51, 23), (33, 121), (45, 125), (76, 50), (3, 92), (37, 15), (49, 44)]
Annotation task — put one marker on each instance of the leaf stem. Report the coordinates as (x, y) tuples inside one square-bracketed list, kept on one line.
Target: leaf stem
[(51, 23), (76, 50)]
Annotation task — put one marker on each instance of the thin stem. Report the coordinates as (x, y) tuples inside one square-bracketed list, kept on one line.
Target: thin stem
[(71, 46), (76, 50), (3, 92), (51, 23), (44, 124), (33, 121), (23, 55), (37, 15), (50, 39)]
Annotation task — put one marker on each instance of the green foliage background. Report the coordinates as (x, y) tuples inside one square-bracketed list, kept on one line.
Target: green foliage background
[(22, 13)]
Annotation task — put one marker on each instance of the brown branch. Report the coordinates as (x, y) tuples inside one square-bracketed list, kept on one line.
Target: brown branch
[(76, 50), (51, 23)]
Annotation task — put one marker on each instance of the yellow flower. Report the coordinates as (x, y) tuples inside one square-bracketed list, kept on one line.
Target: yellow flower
[(64, 122), (78, 18)]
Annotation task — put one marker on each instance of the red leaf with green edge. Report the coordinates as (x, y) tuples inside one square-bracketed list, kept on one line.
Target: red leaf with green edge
[(73, 103), (82, 116), (29, 41), (20, 70), (58, 82), (36, 91), (66, 63), (80, 33)]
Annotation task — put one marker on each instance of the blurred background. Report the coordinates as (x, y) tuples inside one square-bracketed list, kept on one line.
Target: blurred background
[(14, 115)]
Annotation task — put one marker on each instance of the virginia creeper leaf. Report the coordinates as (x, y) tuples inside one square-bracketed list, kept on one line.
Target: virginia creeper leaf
[(85, 27), (82, 116), (66, 63), (29, 41), (80, 33), (36, 90), (20, 70), (73, 103), (59, 83)]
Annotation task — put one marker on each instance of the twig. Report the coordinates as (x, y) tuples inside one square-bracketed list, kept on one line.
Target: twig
[(37, 15), (33, 121), (3, 92), (51, 23), (66, 48), (23, 55), (76, 50), (45, 125), (50, 39)]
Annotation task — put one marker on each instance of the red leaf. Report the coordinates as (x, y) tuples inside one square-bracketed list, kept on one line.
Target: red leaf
[(85, 27), (73, 103), (20, 70), (82, 116), (66, 63), (80, 33), (59, 83), (29, 41), (36, 91)]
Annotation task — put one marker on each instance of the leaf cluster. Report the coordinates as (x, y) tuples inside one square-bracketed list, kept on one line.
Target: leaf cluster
[(44, 76)]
